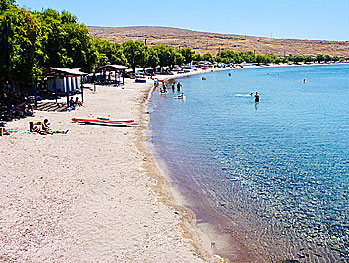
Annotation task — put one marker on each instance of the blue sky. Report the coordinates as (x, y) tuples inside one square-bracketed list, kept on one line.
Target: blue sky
[(303, 19)]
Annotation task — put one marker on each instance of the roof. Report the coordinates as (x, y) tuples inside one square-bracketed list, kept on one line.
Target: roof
[(111, 67), (66, 72)]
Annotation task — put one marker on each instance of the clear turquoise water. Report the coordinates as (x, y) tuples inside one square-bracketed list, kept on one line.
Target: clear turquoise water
[(277, 169)]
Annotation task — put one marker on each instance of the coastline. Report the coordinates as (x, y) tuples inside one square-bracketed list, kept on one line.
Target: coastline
[(96, 193)]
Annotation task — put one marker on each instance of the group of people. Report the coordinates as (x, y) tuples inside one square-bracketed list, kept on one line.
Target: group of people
[(256, 96), (44, 129), (22, 110), (163, 89), (74, 103)]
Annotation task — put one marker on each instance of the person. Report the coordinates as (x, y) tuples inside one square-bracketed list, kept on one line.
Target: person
[(77, 102), (181, 96), (173, 87), (47, 128), (251, 94), (72, 102), (303, 80), (256, 97), (179, 85)]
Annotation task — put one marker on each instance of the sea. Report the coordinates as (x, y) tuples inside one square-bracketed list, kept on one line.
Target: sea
[(271, 175)]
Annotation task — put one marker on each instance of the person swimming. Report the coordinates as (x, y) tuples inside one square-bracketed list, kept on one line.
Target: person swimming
[(181, 96)]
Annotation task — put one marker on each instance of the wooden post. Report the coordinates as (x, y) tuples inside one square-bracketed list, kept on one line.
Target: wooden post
[(31, 126), (56, 89), (82, 89), (36, 98), (116, 79), (67, 81), (123, 76)]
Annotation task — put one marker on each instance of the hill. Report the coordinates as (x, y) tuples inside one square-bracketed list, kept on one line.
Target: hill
[(203, 42)]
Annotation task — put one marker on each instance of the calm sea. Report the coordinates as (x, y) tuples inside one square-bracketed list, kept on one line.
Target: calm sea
[(276, 170)]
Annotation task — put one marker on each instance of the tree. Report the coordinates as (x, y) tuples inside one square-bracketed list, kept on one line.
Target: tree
[(197, 57), (308, 59), (297, 59), (335, 58), (65, 42), (19, 45), (166, 55), (135, 53), (260, 59), (108, 52), (327, 58), (319, 58), (187, 54), (153, 58), (178, 58), (208, 57)]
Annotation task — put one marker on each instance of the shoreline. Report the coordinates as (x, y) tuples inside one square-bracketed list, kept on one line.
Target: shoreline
[(102, 204)]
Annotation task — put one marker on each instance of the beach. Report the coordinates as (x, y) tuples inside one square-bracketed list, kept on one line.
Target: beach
[(93, 194)]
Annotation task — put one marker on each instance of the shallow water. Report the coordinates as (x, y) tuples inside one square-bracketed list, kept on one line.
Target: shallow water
[(277, 169)]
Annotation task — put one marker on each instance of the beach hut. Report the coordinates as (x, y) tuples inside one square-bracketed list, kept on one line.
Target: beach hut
[(65, 80), (118, 70)]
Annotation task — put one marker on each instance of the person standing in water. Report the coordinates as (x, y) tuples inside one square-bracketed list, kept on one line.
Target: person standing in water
[(179, 85), (256, 97), (173, 87)]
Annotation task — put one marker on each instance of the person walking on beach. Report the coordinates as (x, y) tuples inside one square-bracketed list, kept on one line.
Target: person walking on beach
[(173, 87), (256, 97)]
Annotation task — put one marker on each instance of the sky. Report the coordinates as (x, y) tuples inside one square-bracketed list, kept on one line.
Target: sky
[(300, 19)]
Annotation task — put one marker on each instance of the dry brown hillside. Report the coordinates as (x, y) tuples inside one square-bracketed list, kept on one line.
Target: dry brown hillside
[(203, 42)]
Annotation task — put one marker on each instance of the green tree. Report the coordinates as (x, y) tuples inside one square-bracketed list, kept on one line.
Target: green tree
[(319, 58), (65, 42), (260, 59), (197, 57), (135, 53), (308, 59), (166, 55), (19, 45), (187, 54), (335, 58), (327, 58), (208, 57), (108, 52), (153, 58)]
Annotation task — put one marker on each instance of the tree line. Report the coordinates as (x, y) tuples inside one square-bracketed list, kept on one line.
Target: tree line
[(31, 41)]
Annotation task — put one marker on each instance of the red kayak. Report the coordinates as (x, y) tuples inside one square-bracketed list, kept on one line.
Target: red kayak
[(105, 121)]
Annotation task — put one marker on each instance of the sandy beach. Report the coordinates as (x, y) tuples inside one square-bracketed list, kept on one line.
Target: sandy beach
[(94, 194)]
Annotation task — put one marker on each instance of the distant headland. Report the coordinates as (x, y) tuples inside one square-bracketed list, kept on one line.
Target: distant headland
[(203, 42)]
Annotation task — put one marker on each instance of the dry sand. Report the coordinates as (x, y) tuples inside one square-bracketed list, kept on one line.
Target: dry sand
[(94, 194)]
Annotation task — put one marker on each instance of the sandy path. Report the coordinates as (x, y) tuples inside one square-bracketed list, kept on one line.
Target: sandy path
[(93, 195)]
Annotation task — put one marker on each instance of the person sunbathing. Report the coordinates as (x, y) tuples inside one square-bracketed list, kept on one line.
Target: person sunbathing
[(72, 102), (77, 102), (47, 128)]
